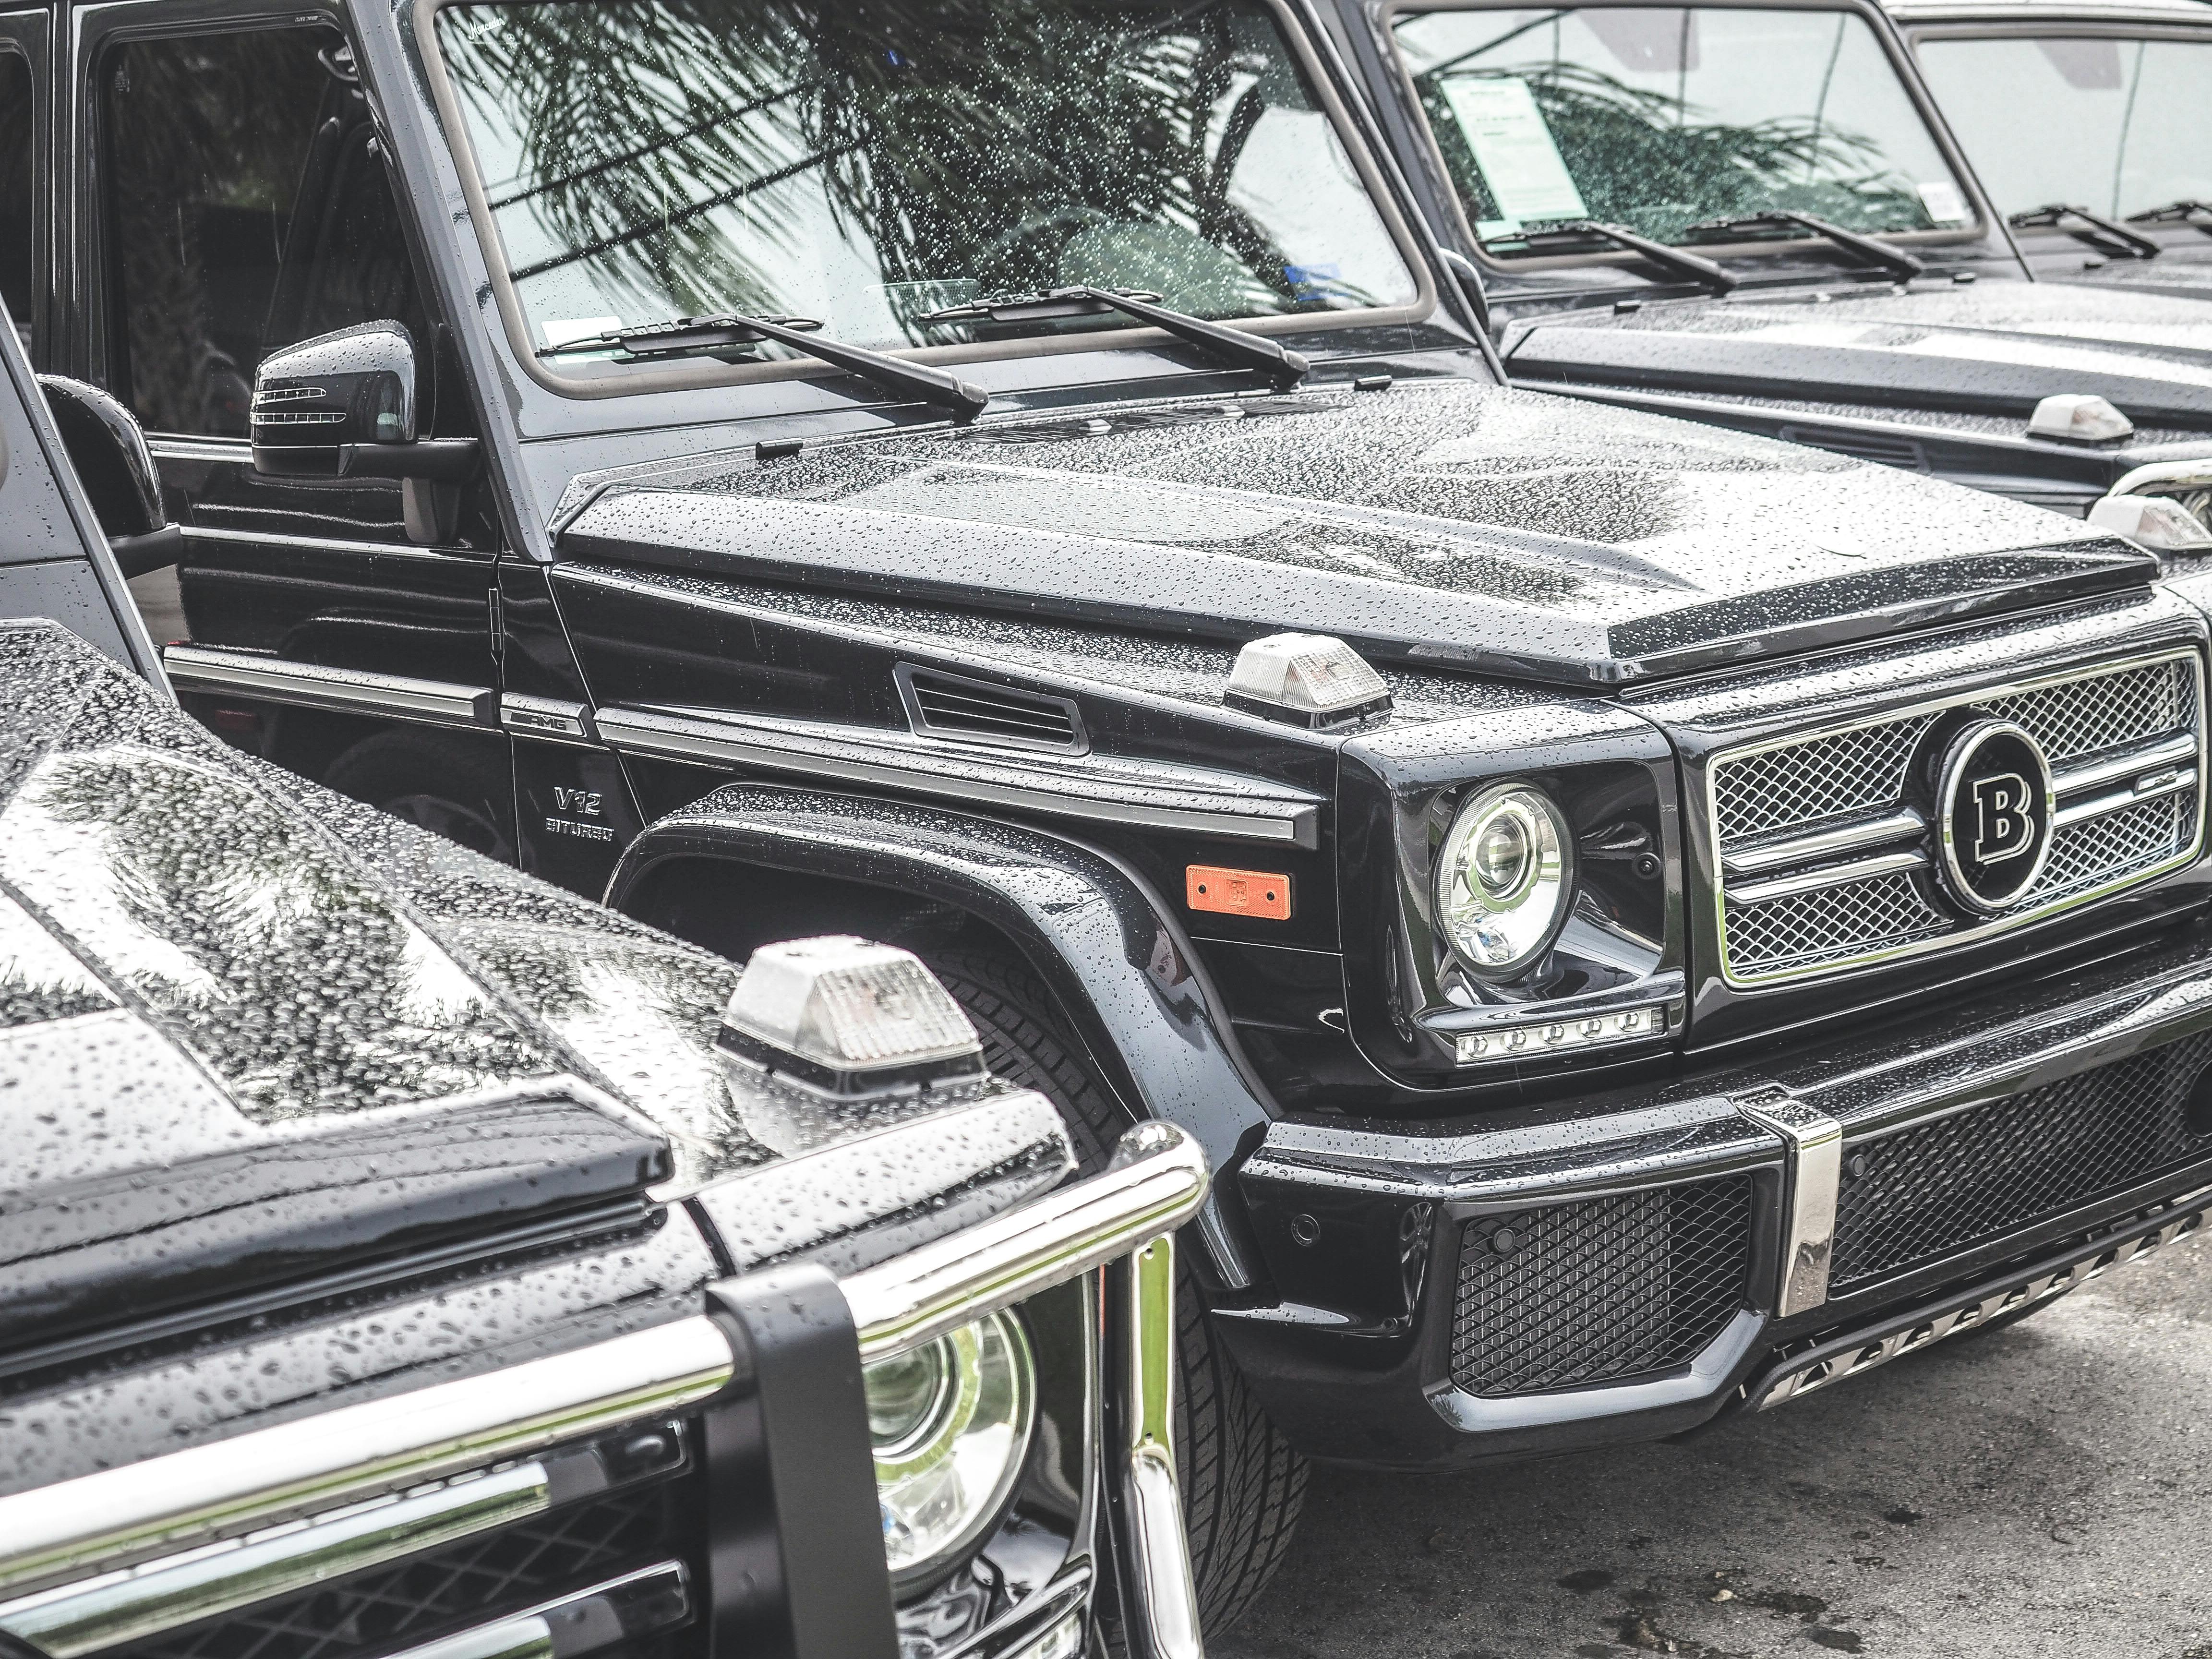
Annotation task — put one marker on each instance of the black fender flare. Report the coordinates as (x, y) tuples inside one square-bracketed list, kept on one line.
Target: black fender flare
[(1094, 931)]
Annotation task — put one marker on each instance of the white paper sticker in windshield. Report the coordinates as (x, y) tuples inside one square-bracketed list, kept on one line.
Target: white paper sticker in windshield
[(1944, 204), (1514, 147)]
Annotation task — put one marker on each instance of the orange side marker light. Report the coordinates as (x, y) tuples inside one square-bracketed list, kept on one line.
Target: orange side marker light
[(1238, 892)]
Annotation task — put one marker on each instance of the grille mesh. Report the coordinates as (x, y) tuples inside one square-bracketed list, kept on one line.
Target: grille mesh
[(1576, 1294), (2073, 721), (1847, 772), (1927, 1191), (1781, 791), (1834, 921), (466, 1585)]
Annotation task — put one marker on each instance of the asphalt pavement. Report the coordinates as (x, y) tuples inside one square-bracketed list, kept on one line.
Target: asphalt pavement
[(2040, 1490)]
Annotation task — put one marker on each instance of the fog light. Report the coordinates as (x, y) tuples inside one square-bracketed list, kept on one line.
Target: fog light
[(844, 1015), (951, 1421)]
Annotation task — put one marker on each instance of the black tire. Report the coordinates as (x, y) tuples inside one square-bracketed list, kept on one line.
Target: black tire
[(1242, 1484), (444, 785)]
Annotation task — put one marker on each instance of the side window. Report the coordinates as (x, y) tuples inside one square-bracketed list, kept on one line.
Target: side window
[(19, 275), (248, 207)]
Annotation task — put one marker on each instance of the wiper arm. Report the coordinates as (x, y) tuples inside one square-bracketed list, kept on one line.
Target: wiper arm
[(2187, 211), (1675, 262), (1285, 368), (2094, 229), (682, 336), (1901, 265)]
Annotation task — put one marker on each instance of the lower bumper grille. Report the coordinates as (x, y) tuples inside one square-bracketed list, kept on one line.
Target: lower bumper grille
[(465, 1584), (1924, 1191), (1575, 1294)]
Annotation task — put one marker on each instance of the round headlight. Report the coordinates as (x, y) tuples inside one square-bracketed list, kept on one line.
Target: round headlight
[(951, 1421), (1504, 879)]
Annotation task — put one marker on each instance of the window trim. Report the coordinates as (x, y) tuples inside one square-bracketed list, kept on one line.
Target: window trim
[(1982, 228), (460, 146), (2131, 26), (28, 34), (97, 29)]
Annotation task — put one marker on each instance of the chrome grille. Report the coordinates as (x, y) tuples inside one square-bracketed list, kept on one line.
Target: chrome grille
[(1846, 772), (1779, 926), (1832, 921)]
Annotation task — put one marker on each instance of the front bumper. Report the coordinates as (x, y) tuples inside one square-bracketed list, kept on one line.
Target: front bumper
[(1631, 1267)]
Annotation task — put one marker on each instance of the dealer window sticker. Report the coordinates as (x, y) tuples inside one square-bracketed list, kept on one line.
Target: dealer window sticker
[(1514, 147)]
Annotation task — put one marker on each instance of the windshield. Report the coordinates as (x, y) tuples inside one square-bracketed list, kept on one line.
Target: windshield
[(2116, 126), (864, 166), (1664, 119)]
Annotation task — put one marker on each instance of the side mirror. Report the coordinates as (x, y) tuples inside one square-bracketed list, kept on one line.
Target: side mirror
[(107, 448), (345, 405)]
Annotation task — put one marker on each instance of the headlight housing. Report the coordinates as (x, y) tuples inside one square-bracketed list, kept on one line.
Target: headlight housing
[(950, 1420), (1504, 879)]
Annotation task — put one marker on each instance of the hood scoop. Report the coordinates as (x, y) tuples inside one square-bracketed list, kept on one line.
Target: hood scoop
[(941, 705)]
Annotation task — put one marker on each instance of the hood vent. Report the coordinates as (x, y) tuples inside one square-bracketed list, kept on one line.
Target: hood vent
[(1882, 451), (940, 705)]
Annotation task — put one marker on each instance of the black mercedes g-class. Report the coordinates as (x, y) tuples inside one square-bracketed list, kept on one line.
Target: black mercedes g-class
[(1752, 215), (2091, 122), (399, 1257), (1643, 919)]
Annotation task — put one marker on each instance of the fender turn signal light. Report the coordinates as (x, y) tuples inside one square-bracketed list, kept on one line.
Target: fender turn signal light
[(1238, 892)]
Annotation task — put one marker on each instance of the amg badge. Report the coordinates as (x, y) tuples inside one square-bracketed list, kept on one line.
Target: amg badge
[(1993, 805)]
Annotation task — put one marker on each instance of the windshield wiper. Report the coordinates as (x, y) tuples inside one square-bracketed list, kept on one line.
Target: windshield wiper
[(2094, 229), (1285, 368), (682, 336), (1674, 261), (1901, 265), (2187, 211)]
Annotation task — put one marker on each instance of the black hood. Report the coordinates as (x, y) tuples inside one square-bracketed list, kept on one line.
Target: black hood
[(1440, 521), (253, 1035), (1994, 348), (228, 1054)]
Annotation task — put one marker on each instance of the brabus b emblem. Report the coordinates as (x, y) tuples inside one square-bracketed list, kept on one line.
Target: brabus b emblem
[(2003, 827), (1992, 816)]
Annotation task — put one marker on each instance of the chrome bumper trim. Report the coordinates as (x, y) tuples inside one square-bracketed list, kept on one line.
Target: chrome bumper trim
[(879, 760), (1902, 1333), (1156, 1182), (343, 690), (256, 1478), (542, 1631), (97, 1522), (82, 1617), (1159, 1550), (1814, 1172)]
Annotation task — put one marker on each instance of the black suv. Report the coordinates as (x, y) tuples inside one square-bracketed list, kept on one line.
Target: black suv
[(1643, 919), (401, 1257), (1754, 216)]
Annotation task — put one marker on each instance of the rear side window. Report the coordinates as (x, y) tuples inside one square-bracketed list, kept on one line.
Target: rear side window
[(248, 208), (18, 183)]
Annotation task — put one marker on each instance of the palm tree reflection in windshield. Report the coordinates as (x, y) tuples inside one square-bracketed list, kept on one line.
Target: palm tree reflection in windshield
[(868, 164)]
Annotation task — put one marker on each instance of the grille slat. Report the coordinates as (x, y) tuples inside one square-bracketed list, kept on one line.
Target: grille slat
[(1925, 1192), (1570, 1295), (1786, 789)]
